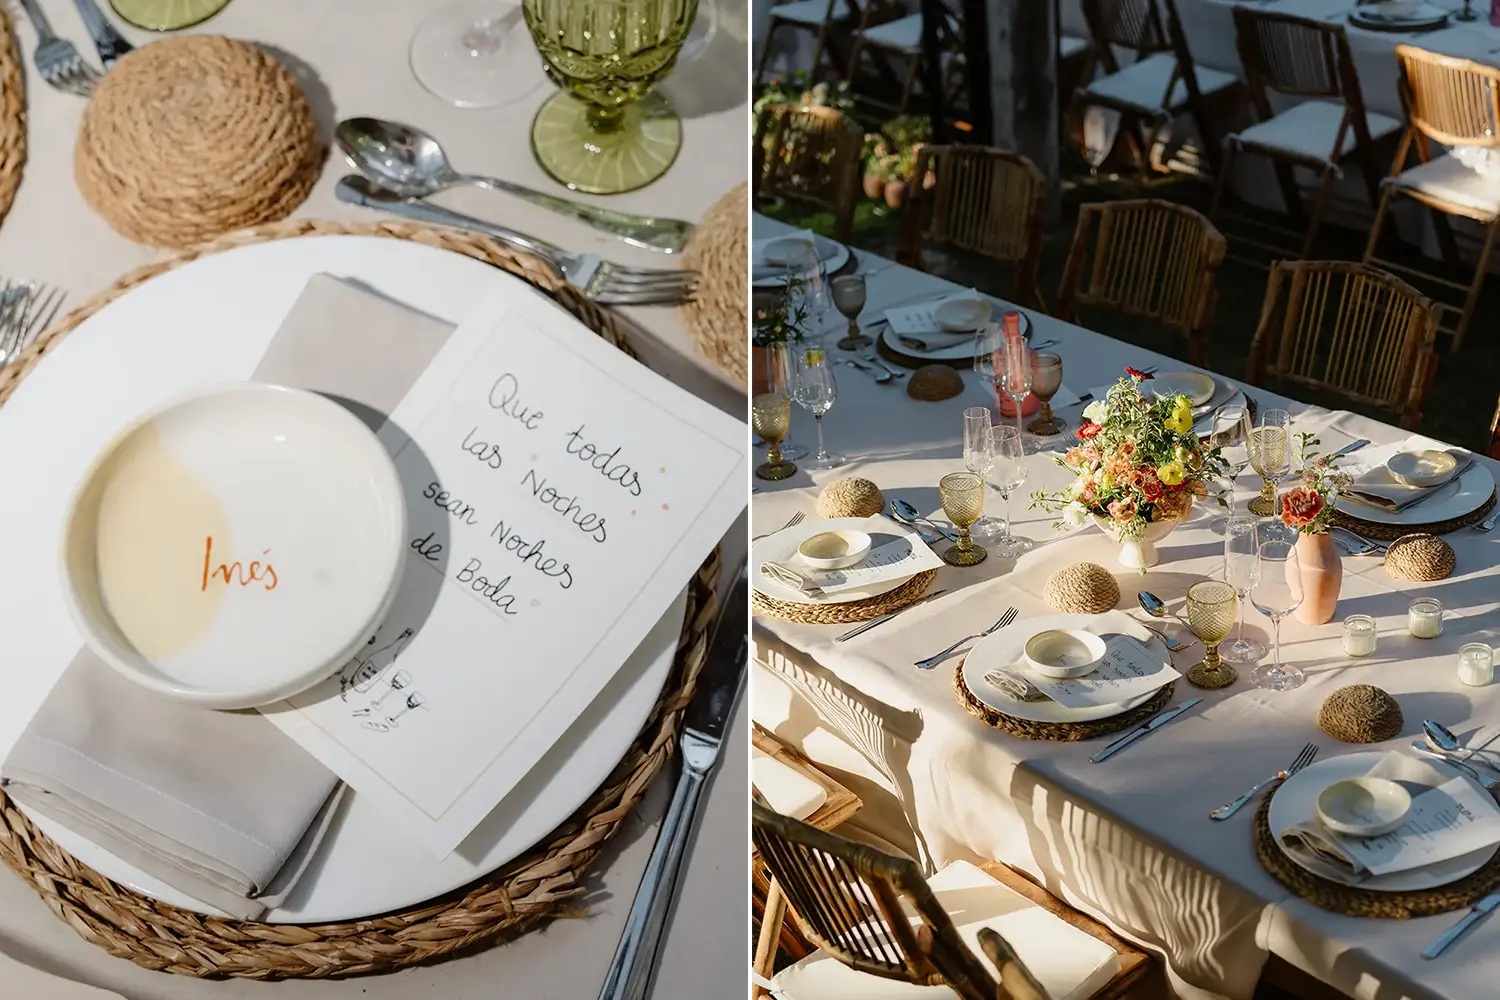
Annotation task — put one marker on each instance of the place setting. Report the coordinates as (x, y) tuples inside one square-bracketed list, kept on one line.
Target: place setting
[(1414, 486)]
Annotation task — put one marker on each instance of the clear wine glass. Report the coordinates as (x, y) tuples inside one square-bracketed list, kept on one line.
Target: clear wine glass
[(1241, 570), (1269, 447), (979, 456), (989, 341), (1230, 433), (1008, 474), (1277, 592), (815, 391), (1013, 372), (803, 265), (476, 54)]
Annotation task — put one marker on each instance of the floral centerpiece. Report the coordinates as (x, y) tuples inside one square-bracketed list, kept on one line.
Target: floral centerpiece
[(1308, 508), (1136, 469)]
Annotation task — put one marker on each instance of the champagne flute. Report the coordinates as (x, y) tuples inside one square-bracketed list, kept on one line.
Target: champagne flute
[(781, 375), (962, 494), (1230, 433), (770, 415), (979, 455), (1013, 370), (849, 298), (1046, 379), (1269, 447), (1008, 474), (1241, 570), (815, 392), (1277, 593), (1210, 614)]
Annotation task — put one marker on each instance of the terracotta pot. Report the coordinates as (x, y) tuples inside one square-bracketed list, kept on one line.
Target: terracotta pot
[(874, 187), (895, 193), (1322, 574)]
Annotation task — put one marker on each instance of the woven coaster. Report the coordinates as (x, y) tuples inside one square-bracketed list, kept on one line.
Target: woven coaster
[(543, 883), (1058, 732), (716, 316), (1353, 901), (192, 137), (1391, 532), (843, 614), (12, 115)]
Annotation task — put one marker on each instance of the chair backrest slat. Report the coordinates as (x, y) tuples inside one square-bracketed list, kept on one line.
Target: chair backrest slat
[(1298, 56), (810, 155), (1131, 24), (1452, 101)]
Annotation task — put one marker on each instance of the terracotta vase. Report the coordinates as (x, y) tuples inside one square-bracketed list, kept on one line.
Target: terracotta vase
[(1322, 574), (895, 193), (874, 187)]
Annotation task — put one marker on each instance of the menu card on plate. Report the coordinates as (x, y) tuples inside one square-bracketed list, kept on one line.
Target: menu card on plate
[(1445, 822), (921, 318), (1127, 671), (901, 557), (559, 497)]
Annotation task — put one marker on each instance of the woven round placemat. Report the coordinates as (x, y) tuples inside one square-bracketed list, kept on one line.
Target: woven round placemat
[(716, 317), (543, 883), (192, 137), (12, 115), (1058, 732), (1391, 532), (1353, 901), (843, 614)]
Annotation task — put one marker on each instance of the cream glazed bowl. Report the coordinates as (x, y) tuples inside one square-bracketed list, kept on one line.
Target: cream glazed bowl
[(235, 546)]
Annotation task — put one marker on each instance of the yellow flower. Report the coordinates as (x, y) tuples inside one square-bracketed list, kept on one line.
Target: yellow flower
[(1171, 474), (1181, 420)]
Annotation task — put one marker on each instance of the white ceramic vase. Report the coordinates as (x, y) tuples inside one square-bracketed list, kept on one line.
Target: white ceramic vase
[(1137, 552)]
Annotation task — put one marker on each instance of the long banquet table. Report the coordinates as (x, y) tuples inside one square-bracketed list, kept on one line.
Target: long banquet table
[(1128, 840)]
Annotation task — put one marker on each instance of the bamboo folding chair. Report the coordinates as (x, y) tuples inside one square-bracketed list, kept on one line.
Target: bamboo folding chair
[(984, 200), (900, 40), (1307, 59), (810, 156), (1348, 329), (1151, 258), (1455, 103)]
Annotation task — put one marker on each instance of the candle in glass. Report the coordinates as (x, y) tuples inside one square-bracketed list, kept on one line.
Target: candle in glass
[(1359, 635), (1424, 619), (1476, 664)]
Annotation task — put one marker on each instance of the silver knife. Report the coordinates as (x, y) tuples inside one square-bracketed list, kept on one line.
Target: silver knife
[(704, 724), (1349, 448), (1452, 934), (1142, 730), (107, 41)]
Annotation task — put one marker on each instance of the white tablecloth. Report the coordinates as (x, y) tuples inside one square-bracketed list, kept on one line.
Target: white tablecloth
[(352, 58), (1128, 840)]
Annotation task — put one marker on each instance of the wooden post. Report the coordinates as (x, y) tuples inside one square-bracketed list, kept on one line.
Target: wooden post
[(1021, 39)]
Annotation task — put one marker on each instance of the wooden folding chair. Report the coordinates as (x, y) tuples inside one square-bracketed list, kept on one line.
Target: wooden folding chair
[(810, 156), (1307, 59), (817, 17), (900, 40), (1151, 258), (1494, 449), (984, 200), (1452, 102), (1348, 329)]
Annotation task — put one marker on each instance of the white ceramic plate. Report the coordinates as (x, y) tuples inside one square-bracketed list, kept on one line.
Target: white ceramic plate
[(833, 254), (1453, 500), (1296, 802), (209, 322), (1196, 386), (782, 548), (961, 351), (1006, 648)]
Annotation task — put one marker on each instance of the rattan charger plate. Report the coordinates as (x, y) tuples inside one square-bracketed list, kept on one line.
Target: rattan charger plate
[(1353, 901), (1383, 532), (1059, 732), (543, 883), (12, 115), (850, 611)]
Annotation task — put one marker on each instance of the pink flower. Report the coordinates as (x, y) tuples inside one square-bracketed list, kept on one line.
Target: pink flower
[(1300, 507), (1137, 374), (1086, 431), (1123, 510)]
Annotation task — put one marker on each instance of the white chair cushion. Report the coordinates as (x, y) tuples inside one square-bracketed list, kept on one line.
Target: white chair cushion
[(1308, 130), (1070, 964), (785, 791), (810, 11), (1446, 178), (903, 34), (1069, 46), (1141, 85)]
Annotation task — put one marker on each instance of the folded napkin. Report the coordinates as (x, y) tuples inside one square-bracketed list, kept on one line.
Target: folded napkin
[(220, 805), (789, 577), (1377, 487), (1014, 686)]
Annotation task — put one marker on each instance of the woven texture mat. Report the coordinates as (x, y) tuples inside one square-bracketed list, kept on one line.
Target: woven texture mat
[(1353, 901), (12, 115), (539, 885), (842, 614), (1391, 532), (716, 317), (192, 137), (1059, 732)]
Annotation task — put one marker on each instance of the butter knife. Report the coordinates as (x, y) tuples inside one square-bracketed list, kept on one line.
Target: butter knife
[(1452, 934), (1142, 730), (704, 725)]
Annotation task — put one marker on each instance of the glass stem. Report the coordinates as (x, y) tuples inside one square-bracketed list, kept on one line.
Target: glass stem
[(602, 119), (1239, 635), (818, 419), (1005, 521), (1276, 630)]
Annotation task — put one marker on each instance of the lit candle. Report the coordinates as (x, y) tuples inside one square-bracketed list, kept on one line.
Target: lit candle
[(1424, 619), (1359, 635), (1476, 664)]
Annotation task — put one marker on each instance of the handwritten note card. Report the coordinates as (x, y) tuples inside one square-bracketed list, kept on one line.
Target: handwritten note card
[(900, 557), (1444, 822), (1128, 670), (559, 498)]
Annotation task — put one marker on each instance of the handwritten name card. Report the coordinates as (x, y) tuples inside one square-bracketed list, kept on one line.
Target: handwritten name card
[(559, 498)]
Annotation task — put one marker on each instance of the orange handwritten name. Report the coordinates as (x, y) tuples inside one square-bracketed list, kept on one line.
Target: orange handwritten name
[(257, 572)]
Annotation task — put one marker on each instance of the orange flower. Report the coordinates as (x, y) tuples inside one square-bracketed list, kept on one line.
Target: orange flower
[(1123, 510), (1086, 431), (1300, 507), (1126, 450)]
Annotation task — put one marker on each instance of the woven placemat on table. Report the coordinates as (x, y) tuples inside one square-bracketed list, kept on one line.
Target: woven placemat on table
[(843, 614), (189, 138), (1353, 901), (541, 884), (1390, 532), (1059, 732), (12, 115), (716, 317)]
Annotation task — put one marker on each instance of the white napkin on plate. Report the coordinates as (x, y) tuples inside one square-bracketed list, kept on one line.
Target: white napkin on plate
[(220, 805), (1014, 686), (1377, 487)]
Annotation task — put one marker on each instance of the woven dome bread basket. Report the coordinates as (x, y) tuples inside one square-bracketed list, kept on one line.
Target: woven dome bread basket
[(1360, 713), (1082, 588), (544, 882), (1419, 557), (717, 317), (850, 497)]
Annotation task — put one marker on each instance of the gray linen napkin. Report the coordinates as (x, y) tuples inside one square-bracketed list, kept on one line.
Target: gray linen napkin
[(220, 805)]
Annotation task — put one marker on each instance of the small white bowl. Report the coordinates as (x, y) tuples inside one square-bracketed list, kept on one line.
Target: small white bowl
[(835, 549), (236, 546), (787, 250), (1421, 468), (1063, 653), (1363, 807), (962, 315)]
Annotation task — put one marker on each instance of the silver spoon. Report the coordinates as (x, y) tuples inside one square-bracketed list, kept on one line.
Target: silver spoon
[(1486, 782), (1156, 607), (1441, 736), (907, 514), (410, 163), (881, 377)]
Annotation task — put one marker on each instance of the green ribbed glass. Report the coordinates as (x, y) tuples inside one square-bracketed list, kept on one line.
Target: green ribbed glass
[(606, 131)]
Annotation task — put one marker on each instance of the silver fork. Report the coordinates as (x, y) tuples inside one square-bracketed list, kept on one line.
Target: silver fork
[(26, 309), (1304, 758), (603, 281), (1000, 623), (792, 522), (1488, 522), (1357, 545), (1427, 750), (57, 60), (1166, 640)]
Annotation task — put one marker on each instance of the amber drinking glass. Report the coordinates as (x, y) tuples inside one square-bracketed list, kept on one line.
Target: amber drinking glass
[(771, 416), (963, 501), (1046, 379), (849, 298), (1211, 608)]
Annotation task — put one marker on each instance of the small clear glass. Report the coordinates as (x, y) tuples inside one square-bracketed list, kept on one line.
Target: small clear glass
[(979, 457), (1360, 635), (1476, 664), (1241, 571), (1424, 618)]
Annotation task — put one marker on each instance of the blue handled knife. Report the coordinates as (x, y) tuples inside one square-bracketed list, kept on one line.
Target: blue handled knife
[(1142, 730)]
